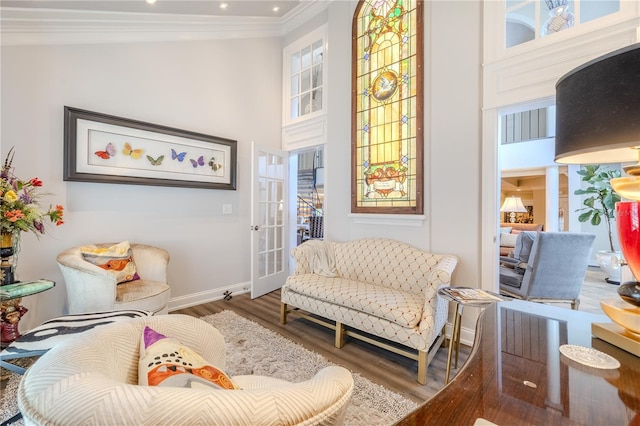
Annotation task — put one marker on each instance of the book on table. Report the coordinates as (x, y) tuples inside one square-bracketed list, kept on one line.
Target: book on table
[(468, 295)]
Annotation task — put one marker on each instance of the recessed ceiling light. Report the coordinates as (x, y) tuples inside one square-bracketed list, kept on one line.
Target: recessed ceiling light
[(150, 1), (224, 5), (276, 8)]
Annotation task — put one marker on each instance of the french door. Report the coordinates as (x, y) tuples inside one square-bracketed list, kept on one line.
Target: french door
[(269, 211)]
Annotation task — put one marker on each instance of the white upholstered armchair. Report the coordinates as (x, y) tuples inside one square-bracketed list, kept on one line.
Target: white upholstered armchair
[(93, 379), (91, 288)]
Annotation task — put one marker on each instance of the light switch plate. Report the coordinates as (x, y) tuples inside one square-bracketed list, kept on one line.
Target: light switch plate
[(227, 209)]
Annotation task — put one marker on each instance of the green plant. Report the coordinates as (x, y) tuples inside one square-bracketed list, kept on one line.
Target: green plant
[(602, 200)]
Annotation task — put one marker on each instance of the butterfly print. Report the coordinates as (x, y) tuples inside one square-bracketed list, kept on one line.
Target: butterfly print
[(108, 152), (134, 153), (214, 166), (198, 162), (155, 162), (176, 156)]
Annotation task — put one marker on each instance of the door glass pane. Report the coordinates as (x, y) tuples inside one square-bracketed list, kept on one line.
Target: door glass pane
[(279, 214), (262, 164), (277, 244), (273, 213), (262, 265), (270, 266), (262, 190), (279, 170), (295, 107), (279, 263), (263, 214), (271, 238), (295, 84)]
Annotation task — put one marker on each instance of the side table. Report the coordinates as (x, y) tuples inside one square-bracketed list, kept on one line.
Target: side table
[(461, 297), (11, 310)]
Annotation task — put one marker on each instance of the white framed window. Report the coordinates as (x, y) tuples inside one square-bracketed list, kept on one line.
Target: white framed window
[(527, 20), (305, 68)]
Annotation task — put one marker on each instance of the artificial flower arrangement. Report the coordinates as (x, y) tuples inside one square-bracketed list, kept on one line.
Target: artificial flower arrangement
[(20, 209)]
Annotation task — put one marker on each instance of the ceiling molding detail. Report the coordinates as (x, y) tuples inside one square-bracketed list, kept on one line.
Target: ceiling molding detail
[(24, 26)]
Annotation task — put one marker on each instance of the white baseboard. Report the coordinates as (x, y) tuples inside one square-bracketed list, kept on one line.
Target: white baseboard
[(189, 300)]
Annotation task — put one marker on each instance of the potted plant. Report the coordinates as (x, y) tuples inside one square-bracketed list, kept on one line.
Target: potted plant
[(599, 204)]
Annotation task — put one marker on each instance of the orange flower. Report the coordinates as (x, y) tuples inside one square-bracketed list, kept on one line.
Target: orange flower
[(14, 215)]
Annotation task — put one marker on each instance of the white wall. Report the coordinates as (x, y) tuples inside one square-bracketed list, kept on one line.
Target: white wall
[(229, 89)]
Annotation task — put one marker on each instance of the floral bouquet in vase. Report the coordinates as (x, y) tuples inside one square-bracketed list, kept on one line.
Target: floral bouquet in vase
[(20, 211)]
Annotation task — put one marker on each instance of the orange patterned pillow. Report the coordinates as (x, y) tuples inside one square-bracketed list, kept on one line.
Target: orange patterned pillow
[(165, 361), (117, 260)]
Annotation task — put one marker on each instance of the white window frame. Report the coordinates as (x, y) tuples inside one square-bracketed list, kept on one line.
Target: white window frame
[(320, 34)]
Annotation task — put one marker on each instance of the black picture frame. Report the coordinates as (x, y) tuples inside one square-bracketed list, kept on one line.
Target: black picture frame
[(103, 148)]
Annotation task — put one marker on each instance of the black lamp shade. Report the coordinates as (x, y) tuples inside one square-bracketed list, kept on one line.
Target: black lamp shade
[(598, 110)]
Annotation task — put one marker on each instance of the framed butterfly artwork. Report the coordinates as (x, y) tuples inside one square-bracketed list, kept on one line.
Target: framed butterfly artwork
[(108, 149)]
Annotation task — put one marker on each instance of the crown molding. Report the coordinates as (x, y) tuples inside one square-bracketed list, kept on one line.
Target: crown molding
[(25, 26)]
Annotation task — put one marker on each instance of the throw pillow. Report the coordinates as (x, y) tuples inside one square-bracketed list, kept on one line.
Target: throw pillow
[(522, 251), (165, 361), (508, 240), (505, 229), (117, 259)]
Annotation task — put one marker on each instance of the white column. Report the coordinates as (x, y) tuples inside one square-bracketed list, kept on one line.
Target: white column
[(552, 198)]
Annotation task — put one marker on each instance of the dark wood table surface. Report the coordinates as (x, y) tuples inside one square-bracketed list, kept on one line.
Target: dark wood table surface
[(516, 375)]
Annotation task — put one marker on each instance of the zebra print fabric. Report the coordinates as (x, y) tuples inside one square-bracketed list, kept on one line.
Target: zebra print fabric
[(56, 330)]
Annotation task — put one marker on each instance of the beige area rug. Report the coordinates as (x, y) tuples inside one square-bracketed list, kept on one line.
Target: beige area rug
[(253, 349)]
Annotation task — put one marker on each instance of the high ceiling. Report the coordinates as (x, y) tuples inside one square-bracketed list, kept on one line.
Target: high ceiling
[(243, 8)]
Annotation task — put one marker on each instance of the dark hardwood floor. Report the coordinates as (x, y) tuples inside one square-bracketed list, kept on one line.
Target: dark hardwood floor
[(390, 370)]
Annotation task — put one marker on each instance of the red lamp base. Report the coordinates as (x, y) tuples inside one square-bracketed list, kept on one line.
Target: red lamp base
[(628, 222)]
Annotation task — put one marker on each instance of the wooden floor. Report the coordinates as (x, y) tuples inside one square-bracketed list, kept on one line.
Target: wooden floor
[(390, 370)]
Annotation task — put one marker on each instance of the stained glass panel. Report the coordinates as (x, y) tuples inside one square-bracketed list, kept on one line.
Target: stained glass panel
[(387, 124)]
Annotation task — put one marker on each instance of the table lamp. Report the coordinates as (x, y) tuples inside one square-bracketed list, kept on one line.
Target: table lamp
[(513, 205), (598, 121)]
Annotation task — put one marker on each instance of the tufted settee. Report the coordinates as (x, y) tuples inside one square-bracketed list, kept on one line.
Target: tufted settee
[(382, 287)]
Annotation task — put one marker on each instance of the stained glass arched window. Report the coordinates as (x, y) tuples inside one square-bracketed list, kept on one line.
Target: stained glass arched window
[(387, 112)]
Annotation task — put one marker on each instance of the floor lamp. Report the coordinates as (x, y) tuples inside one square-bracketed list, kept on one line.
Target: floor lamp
[(598, 121)]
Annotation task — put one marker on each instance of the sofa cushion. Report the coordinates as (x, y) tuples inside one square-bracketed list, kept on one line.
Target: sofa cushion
[(510, 277), (165, 361), (402, 308), (508, 240)]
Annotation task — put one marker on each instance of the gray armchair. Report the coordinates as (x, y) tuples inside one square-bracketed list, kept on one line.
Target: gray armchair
[(547, 267)]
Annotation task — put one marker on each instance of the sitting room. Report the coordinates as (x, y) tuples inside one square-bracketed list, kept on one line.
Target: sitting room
[(165, 136)]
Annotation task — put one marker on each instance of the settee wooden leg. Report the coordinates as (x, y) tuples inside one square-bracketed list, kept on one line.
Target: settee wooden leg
[(283, 313), (339, 335), (575, 304), (422, 367)]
